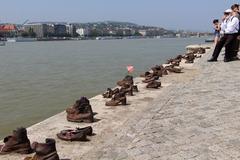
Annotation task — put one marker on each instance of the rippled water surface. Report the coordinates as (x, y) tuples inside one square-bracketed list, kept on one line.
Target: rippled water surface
[(40, 79)]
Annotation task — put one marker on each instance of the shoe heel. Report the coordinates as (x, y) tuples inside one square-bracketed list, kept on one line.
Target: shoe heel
[(124, 102)]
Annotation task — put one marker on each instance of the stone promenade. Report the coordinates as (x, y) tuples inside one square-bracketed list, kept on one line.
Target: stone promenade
[(194, 116), (197, 117)]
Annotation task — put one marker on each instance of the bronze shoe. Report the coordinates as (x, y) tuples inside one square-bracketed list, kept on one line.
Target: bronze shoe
[(18, 142), (44, 151)]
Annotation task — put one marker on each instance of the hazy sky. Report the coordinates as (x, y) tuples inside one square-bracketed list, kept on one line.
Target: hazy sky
[(170, 14)]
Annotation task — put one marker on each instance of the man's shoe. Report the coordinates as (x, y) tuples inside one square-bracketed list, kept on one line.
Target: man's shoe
[(44, 151), (78, 134), (81, 111), (154, 84), (227, 60), (119, 98), (18, 142), (235, 58), (212, 60)]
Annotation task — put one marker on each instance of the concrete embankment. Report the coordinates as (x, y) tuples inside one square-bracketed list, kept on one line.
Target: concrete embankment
[(195, 115)]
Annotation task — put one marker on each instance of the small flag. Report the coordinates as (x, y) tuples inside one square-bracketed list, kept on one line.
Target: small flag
[(130, 68)]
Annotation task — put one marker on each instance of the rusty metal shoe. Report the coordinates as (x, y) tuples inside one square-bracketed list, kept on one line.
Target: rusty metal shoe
[(79, 134), (127, 80), (174, 69), (154, 84), (179, 57), (81, 111), (150, 75), (164, 71), (158, 73), (79, 104), (81, 101), (135, 88), (44, 151), (119, 98), (145, 74), (175, 61), (18, 142), (117, 102), (189, 58), (201, 50), (108, 93), (127, 89), (71, 110), (156, 68), (150, 79), (116, 90), (80, 117)]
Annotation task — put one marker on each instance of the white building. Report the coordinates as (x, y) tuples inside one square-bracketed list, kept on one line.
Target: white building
[(70, 29), (82, 32), (143, 32), (111, 32)]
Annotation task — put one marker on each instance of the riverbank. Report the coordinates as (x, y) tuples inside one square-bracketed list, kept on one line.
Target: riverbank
[(193, 116), (45, 77), (27, 39), (111, 119)]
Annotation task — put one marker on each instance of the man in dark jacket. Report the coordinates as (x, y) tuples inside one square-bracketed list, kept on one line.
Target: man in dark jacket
[(235, 9)]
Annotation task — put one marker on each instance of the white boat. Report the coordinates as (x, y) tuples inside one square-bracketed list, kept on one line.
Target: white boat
[(11, 40), (21, 39)]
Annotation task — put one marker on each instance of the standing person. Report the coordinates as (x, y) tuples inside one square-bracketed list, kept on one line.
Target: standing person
[(217, 28), (230, 26), (235, 8)]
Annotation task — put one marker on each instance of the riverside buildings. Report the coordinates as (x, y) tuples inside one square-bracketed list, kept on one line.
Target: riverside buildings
[(40, 29), (82, 32), (8, 30), (62, 30), (49, 29)]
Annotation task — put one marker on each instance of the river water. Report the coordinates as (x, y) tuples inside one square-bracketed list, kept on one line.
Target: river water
[(40, 79)]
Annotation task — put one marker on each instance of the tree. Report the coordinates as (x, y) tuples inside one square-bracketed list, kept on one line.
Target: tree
[(94, 33), (25, 34), (31, 33), (137, 34)]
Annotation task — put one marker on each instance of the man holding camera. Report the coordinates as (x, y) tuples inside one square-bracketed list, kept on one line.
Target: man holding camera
[(230, 27)]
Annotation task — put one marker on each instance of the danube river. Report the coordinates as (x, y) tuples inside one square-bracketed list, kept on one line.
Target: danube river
[(40, 79)]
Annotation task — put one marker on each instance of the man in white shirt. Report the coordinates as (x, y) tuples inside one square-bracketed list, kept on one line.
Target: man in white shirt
[(230, 27), (236, 13)]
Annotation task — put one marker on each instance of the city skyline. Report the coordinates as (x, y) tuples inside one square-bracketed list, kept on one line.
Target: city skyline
[(189, 15)]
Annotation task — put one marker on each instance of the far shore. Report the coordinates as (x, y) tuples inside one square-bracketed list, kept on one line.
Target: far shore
[(27, 39)]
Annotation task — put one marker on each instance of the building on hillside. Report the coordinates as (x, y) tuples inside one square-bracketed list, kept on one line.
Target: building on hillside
[(8, 30), (46, 29), (126, 32), (112, 32), (143, 32), (82, 32), (60, 29), (39, 28), (50, 30), (71, 29)]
